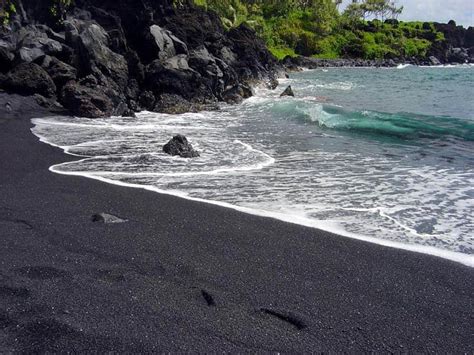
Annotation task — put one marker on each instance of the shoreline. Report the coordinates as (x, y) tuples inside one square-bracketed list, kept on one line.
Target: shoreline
[(398, 67), (181, 275), (464, 259)]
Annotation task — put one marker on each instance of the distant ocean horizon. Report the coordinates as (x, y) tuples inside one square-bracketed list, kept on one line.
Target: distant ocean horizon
[(383, 155)]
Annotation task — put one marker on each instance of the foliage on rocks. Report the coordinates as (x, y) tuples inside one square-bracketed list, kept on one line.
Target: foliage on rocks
[(317, 28)]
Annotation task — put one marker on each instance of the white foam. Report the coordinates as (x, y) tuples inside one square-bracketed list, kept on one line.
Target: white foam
[(403, 66), (290, 215), (465, 259)]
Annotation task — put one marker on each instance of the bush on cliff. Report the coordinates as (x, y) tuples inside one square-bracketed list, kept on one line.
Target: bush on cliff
[(316, 28)]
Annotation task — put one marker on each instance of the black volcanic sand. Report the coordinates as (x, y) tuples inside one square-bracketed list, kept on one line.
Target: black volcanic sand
[(186, 276)]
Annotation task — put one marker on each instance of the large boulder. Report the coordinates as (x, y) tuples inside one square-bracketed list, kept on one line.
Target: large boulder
[(458, 55), (29, 79), (33, 42), (6, 58), (84, 101), (201, 60), (59, 71), (97, 57), (175, 77), (146, 100), (173, 104), (168, 45), (179, 145), (237, 93), (434, 61)]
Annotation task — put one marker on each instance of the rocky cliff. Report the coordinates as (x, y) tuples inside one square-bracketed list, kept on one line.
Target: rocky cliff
[(458, 46), (115, 57)]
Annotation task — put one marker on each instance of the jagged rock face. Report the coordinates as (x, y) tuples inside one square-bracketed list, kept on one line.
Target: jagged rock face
[(60, 72), (237, 94), (86, 102), (6, 58), (96, 57), (168, 45), (455, 48), (29, 79), (115, 56)]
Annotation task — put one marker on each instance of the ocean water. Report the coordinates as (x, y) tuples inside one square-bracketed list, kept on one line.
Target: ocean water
[(383, 155)]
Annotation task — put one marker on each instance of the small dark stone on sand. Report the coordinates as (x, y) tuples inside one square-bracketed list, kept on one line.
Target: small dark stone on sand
[(208, 297), (107, 218)]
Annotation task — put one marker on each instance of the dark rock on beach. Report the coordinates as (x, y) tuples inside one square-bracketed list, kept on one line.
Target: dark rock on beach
[(29, 79), (107, 218), (60, 72), (179, 145), (85, 101), (114, 57)]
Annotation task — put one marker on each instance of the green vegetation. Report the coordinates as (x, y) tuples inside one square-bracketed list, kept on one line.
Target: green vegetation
[(7, 9), (57, 9), (316, 27)]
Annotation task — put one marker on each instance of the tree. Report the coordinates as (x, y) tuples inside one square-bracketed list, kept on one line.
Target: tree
[(378, 8)]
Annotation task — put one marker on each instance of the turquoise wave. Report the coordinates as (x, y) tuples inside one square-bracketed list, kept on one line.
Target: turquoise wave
[(398, 125)]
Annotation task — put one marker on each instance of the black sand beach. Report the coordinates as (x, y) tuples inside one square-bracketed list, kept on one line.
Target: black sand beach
[(186, 276)]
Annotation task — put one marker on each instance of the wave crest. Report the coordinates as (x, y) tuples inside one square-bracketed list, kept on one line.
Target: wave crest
[(397, 125)]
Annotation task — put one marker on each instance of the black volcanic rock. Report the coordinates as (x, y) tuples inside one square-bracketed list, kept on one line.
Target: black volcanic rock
[(59, 71), (288, 92), (179, 145), (113, 56), (6, 59), (173, 104), (29, 79), (237, 93), (86, 102)]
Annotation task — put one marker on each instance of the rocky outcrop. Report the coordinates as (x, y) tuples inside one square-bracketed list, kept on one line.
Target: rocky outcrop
[(116, 56), (296, 63), (29, 79), (455, 48), (167, 44), (288, 92), (179, 145), (85, 101), (59, 71), (237, 94)]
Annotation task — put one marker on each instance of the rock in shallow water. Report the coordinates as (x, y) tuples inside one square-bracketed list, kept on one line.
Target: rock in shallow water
[(288, 92), (179, 145)]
